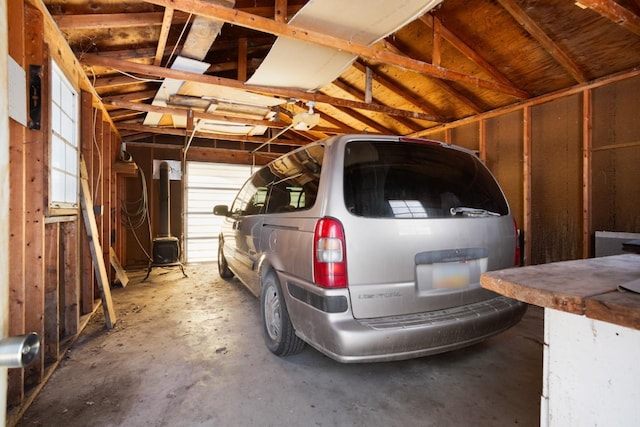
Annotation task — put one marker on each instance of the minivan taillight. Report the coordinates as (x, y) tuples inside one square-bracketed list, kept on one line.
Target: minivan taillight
[(516, 260), (329, 254)]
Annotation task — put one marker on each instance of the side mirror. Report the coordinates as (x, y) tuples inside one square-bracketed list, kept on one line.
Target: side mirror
[(221, 210)]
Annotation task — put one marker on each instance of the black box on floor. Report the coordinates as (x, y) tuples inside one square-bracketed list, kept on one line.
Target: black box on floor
[(166, 250)]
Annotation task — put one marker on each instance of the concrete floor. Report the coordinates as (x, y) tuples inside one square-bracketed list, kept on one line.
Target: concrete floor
[(189, 352)]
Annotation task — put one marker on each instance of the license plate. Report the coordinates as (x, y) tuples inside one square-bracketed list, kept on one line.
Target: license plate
[(451, 275)]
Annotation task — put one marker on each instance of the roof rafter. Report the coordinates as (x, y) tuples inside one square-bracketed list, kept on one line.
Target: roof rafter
[(464, 48), (259, 23), (446, 86), (150, 70), (395, 88), (615, 12), (538, 33), (342, 85)]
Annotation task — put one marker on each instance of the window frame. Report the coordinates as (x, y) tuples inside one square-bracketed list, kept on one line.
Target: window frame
[(63, 108)]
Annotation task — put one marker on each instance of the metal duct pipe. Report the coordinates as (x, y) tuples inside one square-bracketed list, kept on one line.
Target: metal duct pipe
[(165, 212), (18, 352)]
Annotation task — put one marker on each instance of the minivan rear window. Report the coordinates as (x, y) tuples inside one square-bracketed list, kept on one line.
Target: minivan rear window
[(407, 180)]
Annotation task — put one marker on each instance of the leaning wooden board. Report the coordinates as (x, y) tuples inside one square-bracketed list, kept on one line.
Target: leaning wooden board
[(588, 287), (96, 249)]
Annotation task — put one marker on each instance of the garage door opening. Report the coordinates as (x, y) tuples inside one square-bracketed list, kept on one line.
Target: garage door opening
[(208, 184)]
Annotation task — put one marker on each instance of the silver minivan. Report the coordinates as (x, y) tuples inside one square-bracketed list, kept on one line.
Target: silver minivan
[(370, 248)]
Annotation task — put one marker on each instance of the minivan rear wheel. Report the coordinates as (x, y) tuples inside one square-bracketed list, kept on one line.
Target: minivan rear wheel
[(223, 267), (279, 334)]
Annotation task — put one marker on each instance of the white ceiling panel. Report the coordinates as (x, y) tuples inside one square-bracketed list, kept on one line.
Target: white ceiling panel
[(296, 64)]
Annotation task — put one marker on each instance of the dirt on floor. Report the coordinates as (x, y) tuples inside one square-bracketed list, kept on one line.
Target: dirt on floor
[(189, 352)]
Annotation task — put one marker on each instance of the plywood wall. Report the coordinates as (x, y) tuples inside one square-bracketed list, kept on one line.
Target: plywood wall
[(556, 180), (567, 162), (616, 157)]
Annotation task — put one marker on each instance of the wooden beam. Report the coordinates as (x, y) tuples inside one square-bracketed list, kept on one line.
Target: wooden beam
[(556, 52), (212, 116), (259, 23), (35, 150), (359, 94), (204, 135), (243, 45), (150, 70), (164, 34), (51, 293), (69, 280), (369, 123), (16, 205), (587, 172), (465, 49), (86, 151), (402, 92), (436, 58), (527, 183), (112, 20), (616, 13), (280, 11), (446, 86)]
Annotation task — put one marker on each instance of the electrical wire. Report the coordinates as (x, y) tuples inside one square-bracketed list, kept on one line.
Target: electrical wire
[(136, 212)]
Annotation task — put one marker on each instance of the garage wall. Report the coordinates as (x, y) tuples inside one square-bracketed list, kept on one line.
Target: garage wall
[(556, 180), (503, 153), (567, 162), (616, 156)]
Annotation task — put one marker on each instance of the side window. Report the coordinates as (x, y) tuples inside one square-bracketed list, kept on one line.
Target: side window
[(252, 197), (296, 180)]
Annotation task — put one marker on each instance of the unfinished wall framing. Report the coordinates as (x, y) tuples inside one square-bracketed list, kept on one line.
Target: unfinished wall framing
[(51, 281)]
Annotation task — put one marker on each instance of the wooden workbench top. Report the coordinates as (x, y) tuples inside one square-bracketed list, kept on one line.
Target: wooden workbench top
[(586, 286)]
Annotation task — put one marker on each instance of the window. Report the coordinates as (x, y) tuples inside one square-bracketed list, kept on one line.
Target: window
[(63, 180), (391, 180)]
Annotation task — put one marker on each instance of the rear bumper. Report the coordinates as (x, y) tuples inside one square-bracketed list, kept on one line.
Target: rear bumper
[(348, 340)]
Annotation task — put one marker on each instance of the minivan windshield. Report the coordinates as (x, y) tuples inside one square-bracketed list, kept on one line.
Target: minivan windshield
[(414, 180)]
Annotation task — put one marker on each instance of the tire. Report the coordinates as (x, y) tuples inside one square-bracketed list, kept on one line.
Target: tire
[(223, 267), (279, 334)]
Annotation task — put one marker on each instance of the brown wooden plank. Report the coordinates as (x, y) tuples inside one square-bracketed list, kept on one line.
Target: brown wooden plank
[(15, 386), (51, 341), (620, 308), (96, 248), (86, 149), (34, 149), (164, 34), (243, 47), (121, 274), (107, 226), (616, 13), (564, 285), (70, 283)]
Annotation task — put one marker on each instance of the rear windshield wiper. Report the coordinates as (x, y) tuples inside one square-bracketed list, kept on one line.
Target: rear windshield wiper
[(472, 212)]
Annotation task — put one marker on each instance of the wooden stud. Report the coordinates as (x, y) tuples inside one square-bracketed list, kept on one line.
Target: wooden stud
[(51, 340), (107, 161), (587, 142), (15, 388), (243, 47), (34, 149), (280, 11), (86, 150), (526, 182), (70, 286)]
